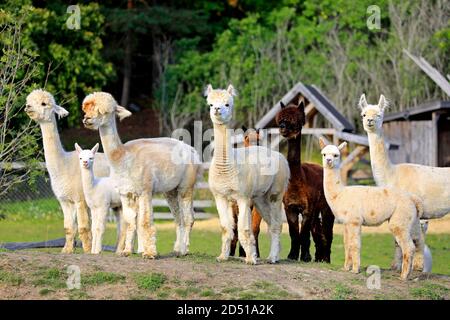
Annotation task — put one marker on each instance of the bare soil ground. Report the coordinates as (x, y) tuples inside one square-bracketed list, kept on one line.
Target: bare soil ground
[(43, 275)]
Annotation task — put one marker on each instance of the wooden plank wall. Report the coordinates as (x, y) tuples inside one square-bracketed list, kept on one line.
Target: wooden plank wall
[(417, 142)]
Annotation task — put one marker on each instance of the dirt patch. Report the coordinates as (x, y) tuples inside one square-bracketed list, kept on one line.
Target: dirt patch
[(43, 275)]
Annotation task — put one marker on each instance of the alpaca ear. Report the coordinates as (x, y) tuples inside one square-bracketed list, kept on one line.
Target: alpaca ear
[(61, 112), (301, 105), (282, 105), (244, 128), (95, 148), (231, 90), (257, 130), (342, 145), (122, 113), (77, 148), (322, 143), (382, 103), (362, 102), (207, 90)]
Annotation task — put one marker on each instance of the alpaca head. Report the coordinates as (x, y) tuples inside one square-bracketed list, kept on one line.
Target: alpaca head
[(424, 226), (331, 154), (86, 156), (40, 106), (100, 108), (251, 137), (372, 114), (291, 119), (220, 103)]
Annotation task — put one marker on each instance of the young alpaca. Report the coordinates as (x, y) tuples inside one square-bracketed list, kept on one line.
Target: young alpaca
[(246, 175), (431, 184), (355, 206), (63, 169), (305, 192), (142, 167), (251, 138), (100, 195)]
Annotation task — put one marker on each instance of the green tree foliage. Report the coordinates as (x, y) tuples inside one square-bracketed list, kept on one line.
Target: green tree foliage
[(326, 43)]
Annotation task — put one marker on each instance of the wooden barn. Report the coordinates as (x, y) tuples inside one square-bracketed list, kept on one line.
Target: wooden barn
[(423, 134)]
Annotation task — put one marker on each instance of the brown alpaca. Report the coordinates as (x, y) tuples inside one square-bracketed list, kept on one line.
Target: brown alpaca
[(251, 138), (305, 193)]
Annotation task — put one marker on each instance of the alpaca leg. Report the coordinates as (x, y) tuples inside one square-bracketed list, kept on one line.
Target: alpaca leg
[(121, 230), (226, 222), (354, 239), (417, 236), (84, 229), (305, 234), (294, 232), (348, 257), (129, 208), (318, 237), (397, 263), (94, 227), (147, 225), (407, 245), (275, 228), (172, 200), (245, 233), (327, 230), (100, 225), (256, 226), (234, 241), (70, 225), (187, 210)]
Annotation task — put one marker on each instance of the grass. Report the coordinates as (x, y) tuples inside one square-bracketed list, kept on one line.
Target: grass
[(10, 278), (262, 290), (430, 291), (342, 292), (102, 277), (151, 282), (50, 278), (377, 249)]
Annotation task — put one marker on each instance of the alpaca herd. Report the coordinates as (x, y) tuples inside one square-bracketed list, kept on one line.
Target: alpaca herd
[(249, 184)]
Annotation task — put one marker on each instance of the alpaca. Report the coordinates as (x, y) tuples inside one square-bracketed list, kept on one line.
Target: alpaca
[(251, 137), (355, 206), (100, 195), (140, 168), (249, 175), (427, 258), (63, 169), (428, 183), (305, 194)]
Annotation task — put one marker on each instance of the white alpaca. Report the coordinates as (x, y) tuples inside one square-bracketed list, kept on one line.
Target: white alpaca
[(355, 206), (142, 167), (63, 168), (429, 183), (242, 175), (101, 195)]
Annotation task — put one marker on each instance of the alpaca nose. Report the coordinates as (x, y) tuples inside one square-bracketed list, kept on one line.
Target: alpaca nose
[(86, 120), (282, 126), (329, 161), (369, 121), (217, 109), (27, 107)]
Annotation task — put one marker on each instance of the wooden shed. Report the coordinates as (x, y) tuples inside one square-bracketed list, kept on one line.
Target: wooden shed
[(423, 134)]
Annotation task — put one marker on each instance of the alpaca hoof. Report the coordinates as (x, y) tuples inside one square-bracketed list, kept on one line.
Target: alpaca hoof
[(251, 260), (150, 256), (67, 250), (273, 260), (306, 258), (221, 258), (125, 253), (395, 266), (418, 265), (293, 257), (96, 252), (355, 271)]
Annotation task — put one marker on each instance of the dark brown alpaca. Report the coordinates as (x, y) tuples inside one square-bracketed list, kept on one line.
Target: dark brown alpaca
[(305, 192), (251, 138)]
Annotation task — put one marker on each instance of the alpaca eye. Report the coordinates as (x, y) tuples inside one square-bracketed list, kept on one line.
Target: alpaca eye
[(211, 105), (364, 115), (43, 104), (227, 105), (335, 155)]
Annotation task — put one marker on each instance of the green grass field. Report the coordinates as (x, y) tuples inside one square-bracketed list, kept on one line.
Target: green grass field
[(42, 220)]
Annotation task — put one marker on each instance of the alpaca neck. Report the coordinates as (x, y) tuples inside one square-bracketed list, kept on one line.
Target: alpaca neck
[(295, 153), (379, 157), (88, 180), (53, 150), (223, 160), (332, 183), (110, 138)]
